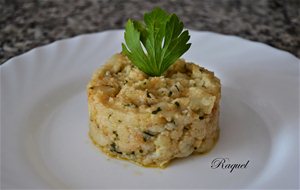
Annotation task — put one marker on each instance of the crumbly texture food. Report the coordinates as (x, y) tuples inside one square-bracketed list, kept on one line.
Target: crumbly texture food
[(152, 120)]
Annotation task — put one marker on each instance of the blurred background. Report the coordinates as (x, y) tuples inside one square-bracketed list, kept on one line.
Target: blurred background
[(26, 24)]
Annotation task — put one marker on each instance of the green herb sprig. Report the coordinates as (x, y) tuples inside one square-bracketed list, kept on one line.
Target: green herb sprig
[(155, 44)]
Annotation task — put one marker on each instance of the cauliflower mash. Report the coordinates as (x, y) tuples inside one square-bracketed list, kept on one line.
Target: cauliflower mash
[(152, 120)]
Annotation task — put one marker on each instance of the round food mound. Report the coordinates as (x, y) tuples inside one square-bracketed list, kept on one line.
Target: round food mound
[(152, 120)]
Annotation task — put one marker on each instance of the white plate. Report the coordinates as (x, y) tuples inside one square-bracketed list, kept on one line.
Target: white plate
[(44, 121)]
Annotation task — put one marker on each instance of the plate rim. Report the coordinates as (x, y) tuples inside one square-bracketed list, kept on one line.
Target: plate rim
[(120, 30)]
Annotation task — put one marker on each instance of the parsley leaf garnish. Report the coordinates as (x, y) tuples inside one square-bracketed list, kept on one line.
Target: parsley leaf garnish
[(155, 44)]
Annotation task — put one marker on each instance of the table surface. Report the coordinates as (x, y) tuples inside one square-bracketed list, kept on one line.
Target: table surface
[(31, 23)]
